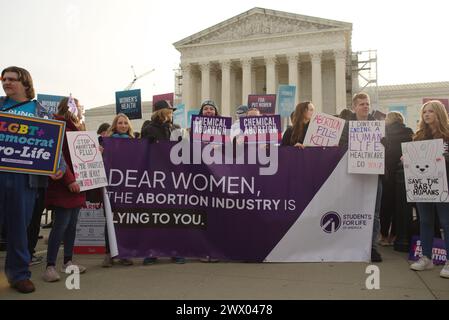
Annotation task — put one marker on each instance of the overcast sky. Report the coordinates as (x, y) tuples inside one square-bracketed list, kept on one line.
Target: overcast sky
[(87, 47)]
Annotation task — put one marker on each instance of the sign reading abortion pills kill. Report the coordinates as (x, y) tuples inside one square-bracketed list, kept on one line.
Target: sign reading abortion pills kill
[(205, 128), (425, 175), (30, 145), (86, 159), (324, 130), (286, 100), (49, 102), (129, 103), (366, 152), (263, 129), (265, 103)]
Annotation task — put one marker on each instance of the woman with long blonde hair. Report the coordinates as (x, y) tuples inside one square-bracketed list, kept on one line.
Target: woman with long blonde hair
[(434, 124)]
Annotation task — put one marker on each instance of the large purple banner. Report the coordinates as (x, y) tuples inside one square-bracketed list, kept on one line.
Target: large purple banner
[(227, 211)]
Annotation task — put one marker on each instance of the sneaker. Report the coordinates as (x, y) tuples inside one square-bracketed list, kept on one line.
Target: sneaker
[(125, 262), (107, 261), (375, 256), (423, 263), (178, 260), (24, 286), (50, 274), (36, 260), (149, 260), (81, 268), (445, 271), (208, 259)]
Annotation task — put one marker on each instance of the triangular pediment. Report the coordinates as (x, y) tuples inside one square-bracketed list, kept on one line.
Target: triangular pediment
[(260, 22)]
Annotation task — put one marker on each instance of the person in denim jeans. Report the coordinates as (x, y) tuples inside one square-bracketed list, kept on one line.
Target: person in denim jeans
[(65, 198), (434, 124), (18, 190)]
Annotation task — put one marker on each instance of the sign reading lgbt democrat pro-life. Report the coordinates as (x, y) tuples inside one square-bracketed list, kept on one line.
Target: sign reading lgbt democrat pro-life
[(366, 152), (324, 130), (129, 102), (30, 145), (265, 103), (211, 129), (425, 171), (263, 129), (86, 159)]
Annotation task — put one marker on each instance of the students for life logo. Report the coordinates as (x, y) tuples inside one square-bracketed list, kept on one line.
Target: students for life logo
[(330, 222)]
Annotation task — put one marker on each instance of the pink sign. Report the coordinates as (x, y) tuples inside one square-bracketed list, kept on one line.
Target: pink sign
[(443, 101), (166, 96), (265, 103)]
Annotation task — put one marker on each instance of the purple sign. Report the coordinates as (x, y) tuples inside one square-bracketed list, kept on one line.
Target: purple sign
[(265, 103), (211, 129), (30, 145), (438, 251), (227, 211), (263, 129)]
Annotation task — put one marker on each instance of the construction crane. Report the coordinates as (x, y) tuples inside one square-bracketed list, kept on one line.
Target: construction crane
[(129, 86)]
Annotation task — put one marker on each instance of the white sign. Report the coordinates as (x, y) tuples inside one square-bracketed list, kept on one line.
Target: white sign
[(425, 171), (90, 228), (324, 130), (366, 152), (87, 161)]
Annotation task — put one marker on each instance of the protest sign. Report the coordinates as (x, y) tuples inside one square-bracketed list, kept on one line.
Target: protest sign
[(166, 96), (211, 129), (90, 237), (129, 102), (425, 176), (30, 145), (438, 250), (86, 158), (366, 152), (262, 129), (324, 130), (265, 103), (286, 100), (179, 116), (49, 102)]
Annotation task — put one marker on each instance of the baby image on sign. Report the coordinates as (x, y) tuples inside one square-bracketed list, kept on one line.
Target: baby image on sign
[(425, 171)]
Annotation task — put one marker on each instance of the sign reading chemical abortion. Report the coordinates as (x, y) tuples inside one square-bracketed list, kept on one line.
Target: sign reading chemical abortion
[(215, 130), (129, 102), (324, 130), (265, 103), (366, 152), (425, 171), (30, 145), (262, 129), (87, 161)]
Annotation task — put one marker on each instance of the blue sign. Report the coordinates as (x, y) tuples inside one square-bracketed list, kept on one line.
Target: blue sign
[(30, 145), (190, 113), (179, 116), (286, 100), (129, 103), (400, 109), (49, 102)]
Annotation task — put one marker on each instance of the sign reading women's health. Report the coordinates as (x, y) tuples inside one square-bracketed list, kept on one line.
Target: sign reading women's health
[(262, 129), (129, 102), (265, 103), (324, 130), (425, 171), (87, 160), (366, 152), (30, 145), (211, 129)]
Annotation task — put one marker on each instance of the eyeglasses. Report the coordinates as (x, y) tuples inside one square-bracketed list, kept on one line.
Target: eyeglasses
[(9, 79)]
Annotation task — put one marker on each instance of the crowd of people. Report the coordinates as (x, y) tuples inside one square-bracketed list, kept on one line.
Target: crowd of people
[(23, 197)]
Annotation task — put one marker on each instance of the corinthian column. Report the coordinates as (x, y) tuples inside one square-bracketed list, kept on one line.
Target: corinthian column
[(186, 84), (205, 81), (270, 63), (246, 78), (293, 73), (340, 79), (317, 95), (225, 87)]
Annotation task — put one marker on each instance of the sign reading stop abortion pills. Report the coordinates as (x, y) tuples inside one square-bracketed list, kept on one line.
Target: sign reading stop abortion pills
[(87, 161)]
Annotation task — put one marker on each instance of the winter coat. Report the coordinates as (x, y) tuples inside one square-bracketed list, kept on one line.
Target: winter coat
[(395, 134), (155, 131)]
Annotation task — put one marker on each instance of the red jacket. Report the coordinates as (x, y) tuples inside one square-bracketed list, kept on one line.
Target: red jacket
[(58, 193)]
